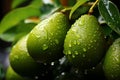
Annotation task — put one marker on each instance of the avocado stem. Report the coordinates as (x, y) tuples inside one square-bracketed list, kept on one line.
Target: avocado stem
[(91, 8)]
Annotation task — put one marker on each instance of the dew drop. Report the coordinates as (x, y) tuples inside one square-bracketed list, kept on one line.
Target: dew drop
[(86, 71), (88, 47), (70, 45), (78, 42), (114, 49), (75, 42), (76, 52), (51, 34), (74, 29), (16, 56), (77, 71), (56, 41), (83, 55), (93, 67), (49, 38), (73, 56), (38, 36), (84, 49), (44, 47), (36, 77), (69, 52), (112, 76), (91, 41), (94, 35), (63, 73), (52, 63), (94, 40), (78, 36)]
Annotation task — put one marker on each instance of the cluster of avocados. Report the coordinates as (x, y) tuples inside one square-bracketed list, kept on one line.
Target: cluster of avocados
[(56, 50)]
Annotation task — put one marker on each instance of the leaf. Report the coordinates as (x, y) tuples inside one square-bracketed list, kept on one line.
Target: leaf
[(17, 15), (78, 4), (80, 11), (9, 35), (36, 3), (15, 33), (16, 3), (110, 13), (33, 3)]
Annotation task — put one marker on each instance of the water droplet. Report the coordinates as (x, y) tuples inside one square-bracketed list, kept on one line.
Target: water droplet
[(36, 77), (114, 48), (78, 42), (44, 47), (93, 67), (56, 41), (73, 56), (94, 40), (91, 41), (75, 42), (88, 47), (77, 71), (16, 57), (56, 33), (89, 44), (49, 38), (83, 55), (94, 34), (63, 73), (112, 76), (70, 45), (78, 36), (84, 49), (86, 71), (69, 52), (76, 52), (52, 63), (38, 36), (74, 29), (51, 34)]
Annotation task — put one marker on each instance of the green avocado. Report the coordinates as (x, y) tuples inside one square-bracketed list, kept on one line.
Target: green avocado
[(12, 75), (22, 62), (84, 42), (46, 40), (111, 64)]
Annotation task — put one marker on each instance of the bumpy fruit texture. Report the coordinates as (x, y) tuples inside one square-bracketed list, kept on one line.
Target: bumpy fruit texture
[(22, 62), (111, 64), (45, 41), (12, 75), (84, 42)]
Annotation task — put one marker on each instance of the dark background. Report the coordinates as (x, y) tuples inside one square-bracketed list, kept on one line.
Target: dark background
[(4, 52), (4, 7)]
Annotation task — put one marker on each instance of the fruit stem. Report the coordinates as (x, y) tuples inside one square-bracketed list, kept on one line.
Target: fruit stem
[(91, 8)]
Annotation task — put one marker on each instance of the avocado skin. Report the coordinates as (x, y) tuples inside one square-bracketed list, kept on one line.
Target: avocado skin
[(84, 42), (45, 41), (111, 64)]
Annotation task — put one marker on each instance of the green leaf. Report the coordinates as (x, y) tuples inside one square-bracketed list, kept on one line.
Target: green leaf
[(80, 11), (15, 33), (16, 3), (110, 13), (33, 3), (36, 3), (78, 4), (9, 35), (17, 15)]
